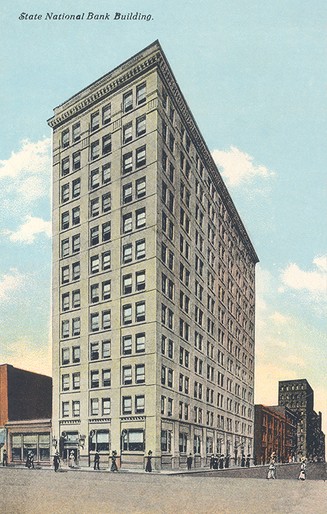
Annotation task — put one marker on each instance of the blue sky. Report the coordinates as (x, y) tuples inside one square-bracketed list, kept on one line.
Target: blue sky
[(254, 75)]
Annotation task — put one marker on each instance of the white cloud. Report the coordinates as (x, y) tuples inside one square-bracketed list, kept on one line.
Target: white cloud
[(28, 231), (313, 282), (238, 167), (280, 318), (25, 177), (9, 283)]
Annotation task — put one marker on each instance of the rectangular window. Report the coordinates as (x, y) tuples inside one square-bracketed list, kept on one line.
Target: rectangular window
[(65, 138), (106, 231), (141, 94), (106, 320), (65, 166), (140, 126), (95, 120), (65, 302), (106, 406), (76, 188), (127, 284), (106, 349), (140, 187), (94, 207), (140, 343), (127, 193), (140, 311), (65, 328), (140, 218), (127, 253), (65, 193), (106, 202), (127, 314), (127, 375), (94, 236), (127, 223), (140, 249), (76, 327), (140, 280), (128, 101), (95, 322), (95, 382), (76, 161), (76, 409), (139, 404), (106, 260), (76, 354), (95, 150), (94, 351), (65, 383), (76, 381), (94, 264), (64, 247), (65, 220), (76, 131), (94, 406), (127, 133), (76, 216), (106, 173), (65, 409), (140, 156), (76, 243), (127, 163), (140, 373), (94, 178), (106, 114), (127, 345), (106, 378), (106, 144), (127, 404), (106, 290)]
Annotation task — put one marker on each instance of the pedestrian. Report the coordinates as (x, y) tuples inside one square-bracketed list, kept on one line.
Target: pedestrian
[(215, 462), (221, 462), (271, 470), (243, 460), (113, 461), (227, 461), (248, 460), (189, 461), (4, 458), (302, 475), (211, 461), (148, 466), (97, 460), (31, 460), (56, 461), (72, 459)]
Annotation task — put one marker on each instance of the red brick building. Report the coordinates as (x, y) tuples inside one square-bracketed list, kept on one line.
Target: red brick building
[(25, 413)]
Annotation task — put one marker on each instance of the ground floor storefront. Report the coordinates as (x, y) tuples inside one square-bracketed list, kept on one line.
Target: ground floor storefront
[(29, 437)]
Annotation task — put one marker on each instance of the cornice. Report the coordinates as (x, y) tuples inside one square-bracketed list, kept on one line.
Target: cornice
[(104, 91)]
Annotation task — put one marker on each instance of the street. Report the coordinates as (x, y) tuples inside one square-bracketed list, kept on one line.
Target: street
[(37, 491)]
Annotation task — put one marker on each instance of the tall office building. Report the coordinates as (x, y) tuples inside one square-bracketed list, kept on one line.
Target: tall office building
[(153, 278)]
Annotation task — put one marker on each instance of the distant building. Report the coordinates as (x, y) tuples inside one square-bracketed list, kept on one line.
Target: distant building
[(153, 279), (274, 431), (25, 413), (298, 396)]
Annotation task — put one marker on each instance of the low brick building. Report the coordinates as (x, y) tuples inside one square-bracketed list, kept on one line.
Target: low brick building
[(25, 413)]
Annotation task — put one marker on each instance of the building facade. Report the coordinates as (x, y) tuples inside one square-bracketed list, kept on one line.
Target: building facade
[(25, 413), (275, 431), (153, 279), (298, 396)]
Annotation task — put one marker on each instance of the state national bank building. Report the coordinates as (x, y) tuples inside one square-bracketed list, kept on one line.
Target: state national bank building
[(153, 279)]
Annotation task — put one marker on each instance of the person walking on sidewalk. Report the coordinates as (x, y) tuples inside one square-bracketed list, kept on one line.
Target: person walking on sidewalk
[(148, 467), (97, 460), (113, 461), (302, 475), (271, 470), (5, 458), (56, 461), (189, 461)]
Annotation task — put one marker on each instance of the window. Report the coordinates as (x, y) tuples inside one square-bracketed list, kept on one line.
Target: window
[(141, 94), (65, 193), (127, 253), (94, 236), (64, 247), (140, 373), (94, 351), (65, 328), (128, 101), (106, 173), (182, 442), (106, 290), (65, 382), (65, 138), (76, 216), (106, 406), (133, 440), (106, 114), (94, 264), (140, 156), (127, 405), (65, 166), (140, 126), (127, 375), (127, 345), (127, 314), (76, 381), (140, 249), (106, 202), (76, 161), (65, 302), (76, 354), (140, 218), (127, 223), (76, 188), (106, 260), (106, 349), (94, 178), (76, 409), (106, 378), (76, 243), (94, 406), (76, 326), (94, 207), (140, 343), (106, 320), (140, 280), (166, 440), (127, 133), (65, 409), (94, 379), (140, 311), (140, 187), (65, 220), (139, 404), (127, 284), (127, 193), (94, 321), (106, 144), (127, 162), (95, 150), (95, 120), (106, 231), (76, 129)]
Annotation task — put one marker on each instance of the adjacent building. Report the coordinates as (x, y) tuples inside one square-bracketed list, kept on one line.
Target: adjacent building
[(298, 396), (153, 279), (275, 431), (25, 413)]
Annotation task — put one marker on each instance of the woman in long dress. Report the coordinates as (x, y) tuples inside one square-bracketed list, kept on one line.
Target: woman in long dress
[(302, 475)]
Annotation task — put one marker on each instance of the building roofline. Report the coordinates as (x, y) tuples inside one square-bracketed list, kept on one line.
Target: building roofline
[(24, 370)]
